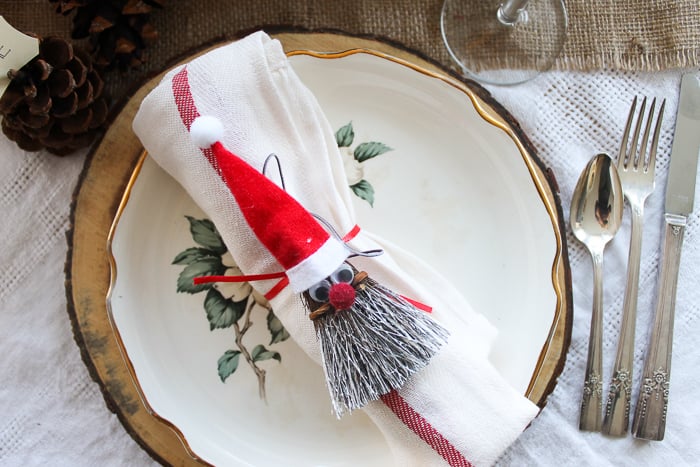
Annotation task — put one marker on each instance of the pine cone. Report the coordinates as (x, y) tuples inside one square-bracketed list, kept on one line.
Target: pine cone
[(55, 101), (118, 30)]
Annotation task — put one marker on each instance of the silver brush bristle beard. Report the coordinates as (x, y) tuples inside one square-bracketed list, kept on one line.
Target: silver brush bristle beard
[(373, 347)]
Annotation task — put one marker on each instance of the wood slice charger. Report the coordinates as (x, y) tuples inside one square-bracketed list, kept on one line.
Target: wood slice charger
[(98, 195)]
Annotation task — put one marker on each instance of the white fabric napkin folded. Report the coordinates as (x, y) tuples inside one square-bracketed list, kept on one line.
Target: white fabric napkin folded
[(456, 411)]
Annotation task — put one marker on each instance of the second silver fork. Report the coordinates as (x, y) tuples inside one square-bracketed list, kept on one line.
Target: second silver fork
[(637, 176)]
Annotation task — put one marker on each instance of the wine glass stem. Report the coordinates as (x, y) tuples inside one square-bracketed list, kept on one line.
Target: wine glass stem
[(509, 11)]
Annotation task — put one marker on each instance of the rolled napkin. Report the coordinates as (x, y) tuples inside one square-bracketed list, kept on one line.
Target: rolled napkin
[(455, 411)]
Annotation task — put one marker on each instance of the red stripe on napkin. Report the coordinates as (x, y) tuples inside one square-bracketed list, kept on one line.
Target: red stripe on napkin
[(183, 98), (187, 109), (424, 429)]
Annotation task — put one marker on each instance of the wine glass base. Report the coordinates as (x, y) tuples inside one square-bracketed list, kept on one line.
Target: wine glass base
[(491, 50)]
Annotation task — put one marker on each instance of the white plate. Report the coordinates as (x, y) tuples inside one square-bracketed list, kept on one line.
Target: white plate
[(456, 189)]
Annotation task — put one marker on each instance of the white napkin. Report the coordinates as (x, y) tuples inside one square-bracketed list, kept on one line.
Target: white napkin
[(456, 411)]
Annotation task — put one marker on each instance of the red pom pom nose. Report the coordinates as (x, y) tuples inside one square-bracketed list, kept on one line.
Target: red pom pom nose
[(341, 296)]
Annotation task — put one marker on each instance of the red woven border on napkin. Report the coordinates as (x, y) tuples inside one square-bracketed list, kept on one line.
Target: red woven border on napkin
[(420, 426)]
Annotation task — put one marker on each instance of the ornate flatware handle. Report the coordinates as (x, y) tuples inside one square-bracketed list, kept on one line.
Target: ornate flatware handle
[(591, 403), (618, 407), (650, 414), (591, 417)]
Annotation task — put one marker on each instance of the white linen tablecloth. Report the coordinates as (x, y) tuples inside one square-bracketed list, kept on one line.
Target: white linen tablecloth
[(52, 413)]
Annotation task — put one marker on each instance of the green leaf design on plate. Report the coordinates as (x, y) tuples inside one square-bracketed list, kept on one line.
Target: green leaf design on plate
[(366, 151), (364, 190), (222, 312), (345, 135), (260, 353), (277, 330), (205, 266), (194, 254), (204, 233), (228, 363)]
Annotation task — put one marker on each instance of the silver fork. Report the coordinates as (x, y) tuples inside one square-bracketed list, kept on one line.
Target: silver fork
[(636, 172)]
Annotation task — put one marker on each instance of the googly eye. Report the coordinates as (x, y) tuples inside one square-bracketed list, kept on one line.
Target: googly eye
[(319, 291), (344, 274)]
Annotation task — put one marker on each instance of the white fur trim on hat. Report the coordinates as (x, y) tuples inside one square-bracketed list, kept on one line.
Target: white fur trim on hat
[(318, 266)]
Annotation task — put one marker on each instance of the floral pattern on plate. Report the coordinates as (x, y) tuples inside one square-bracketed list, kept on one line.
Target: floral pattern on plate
[(354, 158), (227, 305)]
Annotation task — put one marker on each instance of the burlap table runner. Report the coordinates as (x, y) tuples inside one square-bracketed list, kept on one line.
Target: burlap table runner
[(639, 35)]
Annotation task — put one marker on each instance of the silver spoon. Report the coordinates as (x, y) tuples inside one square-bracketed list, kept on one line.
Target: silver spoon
[(596, 215)]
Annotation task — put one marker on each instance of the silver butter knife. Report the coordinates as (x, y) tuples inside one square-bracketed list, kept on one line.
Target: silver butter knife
[(650, 414)]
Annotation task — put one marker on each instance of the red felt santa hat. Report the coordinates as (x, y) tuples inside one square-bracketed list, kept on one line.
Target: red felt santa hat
[(306, 251)]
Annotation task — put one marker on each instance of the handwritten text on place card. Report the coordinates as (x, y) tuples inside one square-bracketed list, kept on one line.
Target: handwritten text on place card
[(16, 50)]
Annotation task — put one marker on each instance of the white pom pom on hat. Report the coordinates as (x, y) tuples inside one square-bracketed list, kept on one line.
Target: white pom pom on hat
[(206, 130)]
